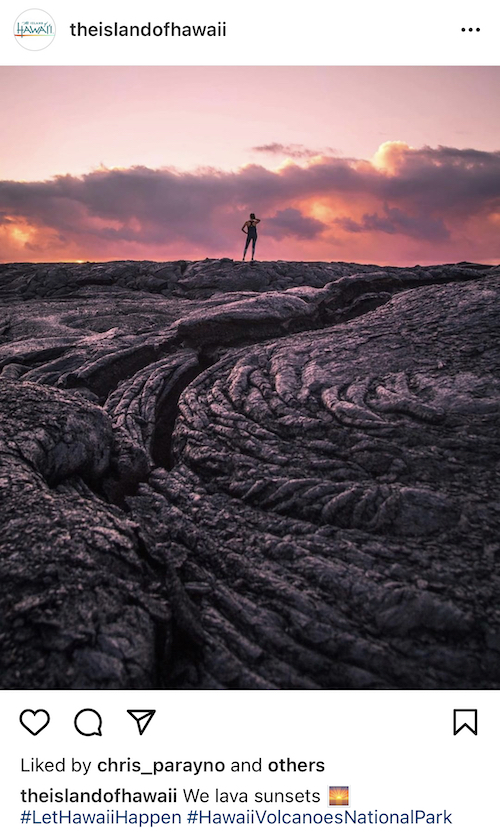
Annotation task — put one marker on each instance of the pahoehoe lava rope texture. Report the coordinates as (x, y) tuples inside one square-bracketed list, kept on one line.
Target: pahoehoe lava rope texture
[(266, 475)]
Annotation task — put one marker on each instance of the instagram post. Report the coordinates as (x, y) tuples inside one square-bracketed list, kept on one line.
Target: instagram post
[(249, 398)]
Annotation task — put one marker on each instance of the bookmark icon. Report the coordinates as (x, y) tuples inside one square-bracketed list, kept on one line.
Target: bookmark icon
[(465, 718), (143, 718)]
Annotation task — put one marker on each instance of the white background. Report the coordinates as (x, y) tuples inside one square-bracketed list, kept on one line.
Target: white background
[(317, 32), (395, 749)]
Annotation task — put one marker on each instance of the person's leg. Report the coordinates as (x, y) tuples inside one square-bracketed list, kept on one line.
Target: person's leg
[(253, 246), (246, 246)]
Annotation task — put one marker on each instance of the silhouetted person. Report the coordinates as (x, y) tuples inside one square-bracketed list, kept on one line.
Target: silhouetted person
[(250, 227)]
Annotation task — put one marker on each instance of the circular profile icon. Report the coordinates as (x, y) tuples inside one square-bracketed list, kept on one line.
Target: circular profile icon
[(34, 29)]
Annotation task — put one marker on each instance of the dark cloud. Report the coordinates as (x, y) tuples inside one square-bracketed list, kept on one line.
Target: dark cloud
[(395, 221), (445, 178), (426, 194), (292, 223), (293, 151)]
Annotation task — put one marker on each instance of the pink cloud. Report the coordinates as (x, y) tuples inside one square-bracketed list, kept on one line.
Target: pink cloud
[(403, 205), (293, 151)]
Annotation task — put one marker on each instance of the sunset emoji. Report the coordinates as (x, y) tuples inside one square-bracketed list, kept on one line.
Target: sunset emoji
[(338, 796)]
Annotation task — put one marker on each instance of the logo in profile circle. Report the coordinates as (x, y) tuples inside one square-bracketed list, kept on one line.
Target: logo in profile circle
[(34, 29)]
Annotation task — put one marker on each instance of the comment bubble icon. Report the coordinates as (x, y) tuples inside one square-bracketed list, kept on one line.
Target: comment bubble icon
[(88, 723)]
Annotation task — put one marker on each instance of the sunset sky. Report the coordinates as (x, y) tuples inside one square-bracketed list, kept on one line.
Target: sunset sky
[(396, 165)]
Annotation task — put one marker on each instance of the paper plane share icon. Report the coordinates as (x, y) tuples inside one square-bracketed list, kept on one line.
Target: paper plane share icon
[(143, 718)]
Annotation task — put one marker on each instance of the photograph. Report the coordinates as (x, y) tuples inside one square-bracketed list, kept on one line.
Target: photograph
[(250, 378)]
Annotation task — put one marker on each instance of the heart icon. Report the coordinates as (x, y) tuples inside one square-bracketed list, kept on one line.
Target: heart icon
[(34, 721)]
